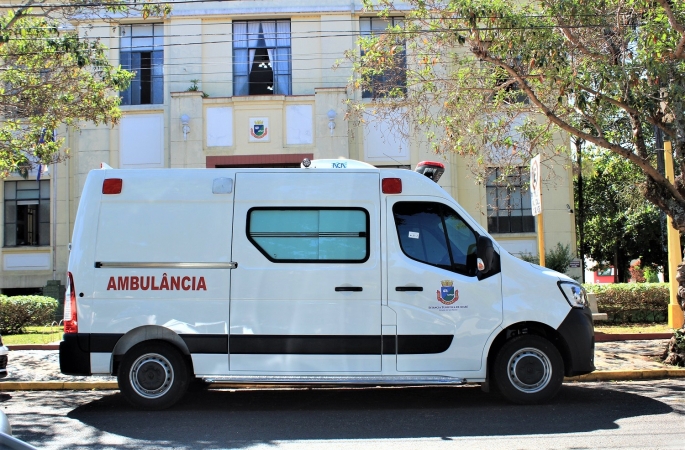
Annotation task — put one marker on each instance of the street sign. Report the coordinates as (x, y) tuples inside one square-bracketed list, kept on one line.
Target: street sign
[(535, 190)]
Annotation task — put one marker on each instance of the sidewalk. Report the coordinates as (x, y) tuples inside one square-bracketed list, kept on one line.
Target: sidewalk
[(619, 360)]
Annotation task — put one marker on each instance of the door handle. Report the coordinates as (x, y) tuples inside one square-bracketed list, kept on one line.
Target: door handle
[(348, 289), (409, 288)]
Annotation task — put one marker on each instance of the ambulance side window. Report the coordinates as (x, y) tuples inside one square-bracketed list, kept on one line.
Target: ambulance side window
[(310, 235), (434, 234)]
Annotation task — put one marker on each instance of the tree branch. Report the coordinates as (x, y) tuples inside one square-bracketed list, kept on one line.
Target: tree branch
[(680, 48), (646, 167), (630, 110)]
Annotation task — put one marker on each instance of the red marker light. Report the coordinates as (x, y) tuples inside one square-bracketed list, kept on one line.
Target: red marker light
[(431, 169), (392, 185), (112, 186)]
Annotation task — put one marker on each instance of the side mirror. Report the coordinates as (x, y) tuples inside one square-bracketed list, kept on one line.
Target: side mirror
[(485, 252)]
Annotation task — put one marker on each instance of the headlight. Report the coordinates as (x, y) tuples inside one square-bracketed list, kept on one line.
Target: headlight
[(574, 293)]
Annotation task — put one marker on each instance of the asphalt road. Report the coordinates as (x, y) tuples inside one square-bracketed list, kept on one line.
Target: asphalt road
[(644, 415)]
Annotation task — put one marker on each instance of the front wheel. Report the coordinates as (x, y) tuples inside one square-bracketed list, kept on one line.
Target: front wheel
[(153, 375), (528, 369)]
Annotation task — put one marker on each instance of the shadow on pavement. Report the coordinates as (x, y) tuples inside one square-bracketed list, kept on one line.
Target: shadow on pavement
[(258, 416)]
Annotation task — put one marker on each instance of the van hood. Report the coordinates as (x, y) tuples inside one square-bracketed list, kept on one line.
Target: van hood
[(531, 292), (550, 272)]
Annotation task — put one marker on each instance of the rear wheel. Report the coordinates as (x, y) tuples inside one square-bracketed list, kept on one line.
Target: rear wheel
[(528, 369), (153, 375)]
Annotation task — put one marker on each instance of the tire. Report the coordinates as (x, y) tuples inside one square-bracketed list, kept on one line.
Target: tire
[(153, 375), (528, 369)]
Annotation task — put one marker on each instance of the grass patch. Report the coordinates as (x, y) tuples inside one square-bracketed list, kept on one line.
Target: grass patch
[(634, 328), (35, 335)]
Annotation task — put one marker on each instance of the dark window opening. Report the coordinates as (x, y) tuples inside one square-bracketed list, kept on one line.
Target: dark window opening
[(145, 78), (27, 225), (509, 207), (27, 213), (261, 74)]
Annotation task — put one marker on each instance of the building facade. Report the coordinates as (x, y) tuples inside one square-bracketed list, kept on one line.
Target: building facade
[(243, 84)]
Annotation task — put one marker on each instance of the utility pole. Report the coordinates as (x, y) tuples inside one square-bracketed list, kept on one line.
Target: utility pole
[(675, 255), (580, 212)]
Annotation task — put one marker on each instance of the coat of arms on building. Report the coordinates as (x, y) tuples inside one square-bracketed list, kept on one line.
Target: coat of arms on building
[(447, 294), (259, 129)]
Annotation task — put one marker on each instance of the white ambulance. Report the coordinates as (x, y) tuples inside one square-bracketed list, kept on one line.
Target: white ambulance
[(335, 273)]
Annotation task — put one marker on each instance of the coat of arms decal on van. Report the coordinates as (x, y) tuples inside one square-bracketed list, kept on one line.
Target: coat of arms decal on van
[(447, 294)]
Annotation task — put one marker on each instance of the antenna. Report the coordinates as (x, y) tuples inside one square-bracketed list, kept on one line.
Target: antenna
[(398, 163)]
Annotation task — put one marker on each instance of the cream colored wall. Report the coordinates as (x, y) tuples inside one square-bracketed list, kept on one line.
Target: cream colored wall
[(216, 77)]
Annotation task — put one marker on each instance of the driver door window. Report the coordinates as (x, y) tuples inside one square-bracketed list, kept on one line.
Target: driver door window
[(434, 234)]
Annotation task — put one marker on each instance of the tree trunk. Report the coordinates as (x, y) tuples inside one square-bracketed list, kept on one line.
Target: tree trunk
[(674, 354)]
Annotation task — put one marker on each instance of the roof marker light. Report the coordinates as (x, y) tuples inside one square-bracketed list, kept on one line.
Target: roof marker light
[(112, 186), (392, 185)]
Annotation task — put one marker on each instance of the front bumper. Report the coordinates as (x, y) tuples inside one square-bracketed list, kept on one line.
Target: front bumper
[(578, 334)]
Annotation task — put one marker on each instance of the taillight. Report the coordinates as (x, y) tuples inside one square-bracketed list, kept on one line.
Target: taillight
[(70, 322)]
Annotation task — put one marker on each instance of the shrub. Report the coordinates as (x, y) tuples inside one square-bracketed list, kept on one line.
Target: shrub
[(632, 302), (16, 313), (558, 259), (651, 275)]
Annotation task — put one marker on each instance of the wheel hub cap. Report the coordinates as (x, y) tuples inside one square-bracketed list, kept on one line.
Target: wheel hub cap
[(151, 375), (529, 370)]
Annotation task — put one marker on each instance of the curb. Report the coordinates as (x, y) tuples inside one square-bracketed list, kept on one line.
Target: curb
[(33, 347), (609, 337), (57, 385), (622, 375)]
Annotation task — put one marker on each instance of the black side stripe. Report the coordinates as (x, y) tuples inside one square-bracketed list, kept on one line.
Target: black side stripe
[(206, 343), (256, 344), (253, 344)]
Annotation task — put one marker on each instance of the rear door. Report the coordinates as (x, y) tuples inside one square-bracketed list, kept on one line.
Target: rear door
[(306, 296)]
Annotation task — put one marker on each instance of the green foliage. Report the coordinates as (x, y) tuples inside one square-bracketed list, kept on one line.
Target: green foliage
[(620, 225), (651, 275), (50, 77), (558, 258), (16, 313), (529, 257), (194, 86), (496, 80), (680, 339), (632, 302)]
